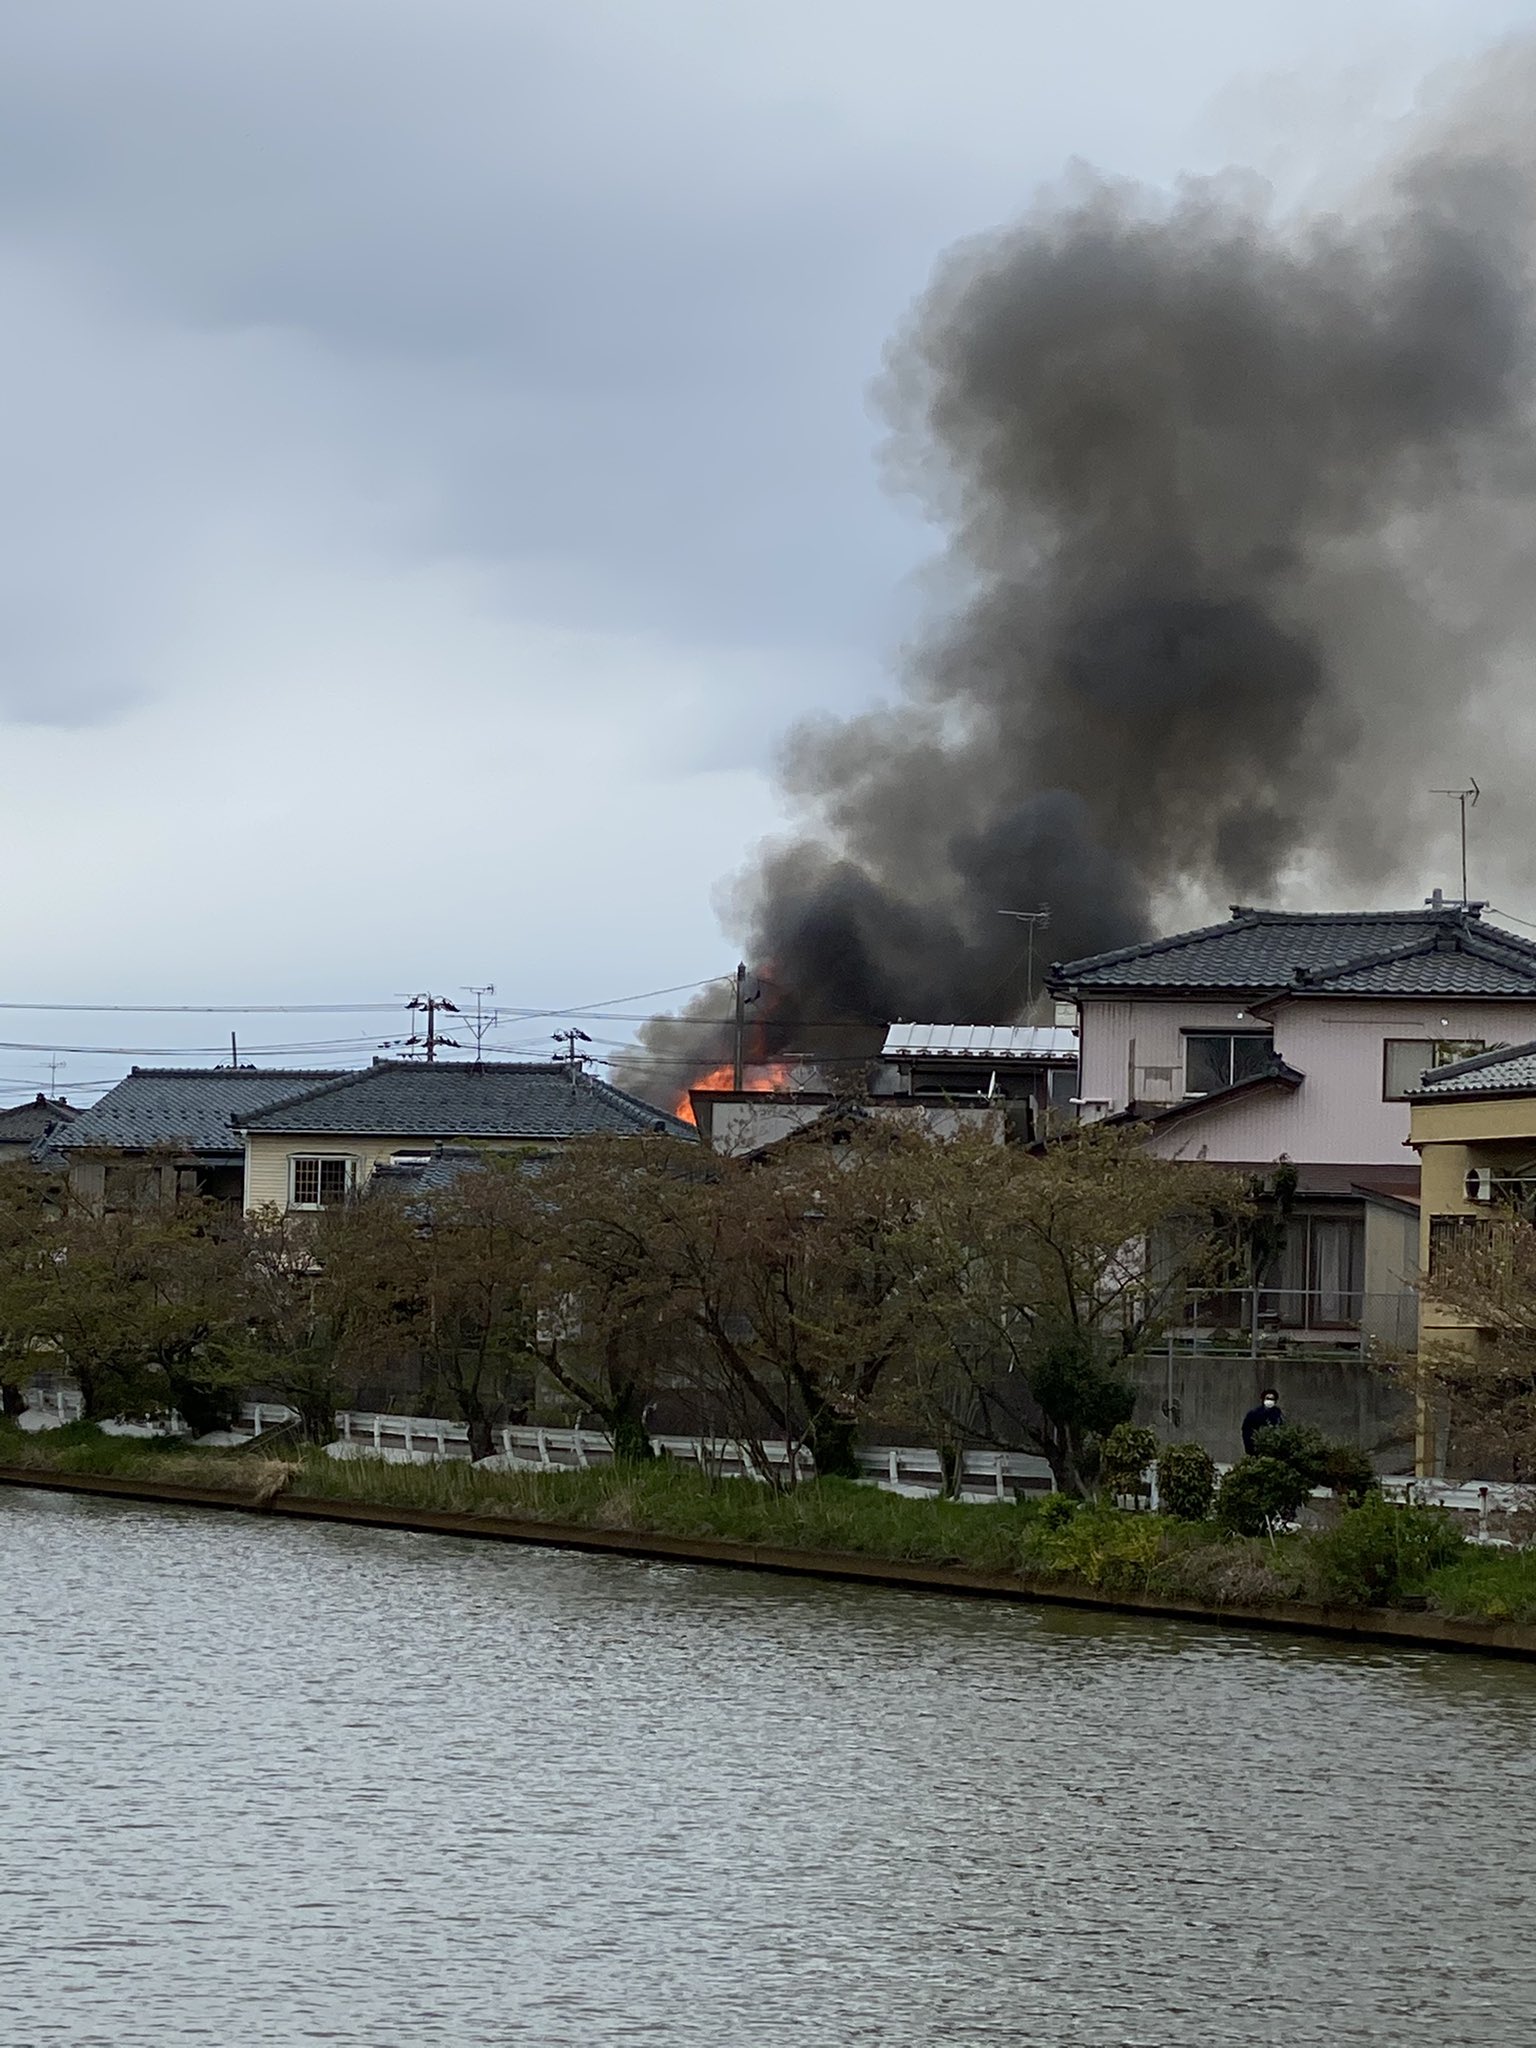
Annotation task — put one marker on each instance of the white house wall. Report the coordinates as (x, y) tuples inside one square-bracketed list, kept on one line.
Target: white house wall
[(1337, 1116), (1136, 1049)]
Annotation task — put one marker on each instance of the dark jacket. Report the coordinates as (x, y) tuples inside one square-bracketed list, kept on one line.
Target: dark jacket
[(1257, 1419)]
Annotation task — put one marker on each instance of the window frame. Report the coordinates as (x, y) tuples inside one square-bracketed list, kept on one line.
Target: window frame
[(1457, 1227), (1190, 1032), (1443, 1052), (348, 1163)]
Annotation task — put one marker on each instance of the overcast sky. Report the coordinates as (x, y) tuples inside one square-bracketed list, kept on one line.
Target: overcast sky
[(440, 461)]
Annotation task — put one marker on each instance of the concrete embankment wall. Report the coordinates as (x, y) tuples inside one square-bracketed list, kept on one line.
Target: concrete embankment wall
[(1195, 1399), (1412, 1631)]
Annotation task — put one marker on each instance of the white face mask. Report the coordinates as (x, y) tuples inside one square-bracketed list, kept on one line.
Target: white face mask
[(1270, 1401)]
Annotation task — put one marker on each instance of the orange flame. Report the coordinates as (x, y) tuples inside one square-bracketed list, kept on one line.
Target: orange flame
[(759, 1079)]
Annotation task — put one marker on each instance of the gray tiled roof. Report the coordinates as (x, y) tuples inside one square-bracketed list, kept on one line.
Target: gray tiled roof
[(454, 1099), (187, 1109), (1509, 1070), (1383, 952), (432, 1172), (25, 1122)]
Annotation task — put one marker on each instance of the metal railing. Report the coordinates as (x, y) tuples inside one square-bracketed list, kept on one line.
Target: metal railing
[(1247, 1322), (58, 1404), (991, 1475)]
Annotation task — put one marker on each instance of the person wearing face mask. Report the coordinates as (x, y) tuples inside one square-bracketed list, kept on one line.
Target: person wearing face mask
[(1266, 1416)]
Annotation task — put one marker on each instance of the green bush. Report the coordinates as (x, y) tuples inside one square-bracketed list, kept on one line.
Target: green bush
[(1103, 1548), (1349, 1474), (1056, 1510), (1258, 1492), (1186, 1481), (1343, 1468), (1298, 1445), (1380, 1554), (1128, 1451)]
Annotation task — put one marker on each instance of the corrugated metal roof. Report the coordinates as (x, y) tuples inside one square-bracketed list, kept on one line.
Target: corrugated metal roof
[(1509, 1070), (1039, 1042), (1393, 952)]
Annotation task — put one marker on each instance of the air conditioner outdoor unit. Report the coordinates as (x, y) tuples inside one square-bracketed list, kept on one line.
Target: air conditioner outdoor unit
[(1480, 1184)]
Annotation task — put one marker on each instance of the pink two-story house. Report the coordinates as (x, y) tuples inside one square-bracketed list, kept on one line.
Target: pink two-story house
[(1296, 1036)]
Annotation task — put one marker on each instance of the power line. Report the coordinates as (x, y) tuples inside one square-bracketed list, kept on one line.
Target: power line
[(212, 1009), (338, 1009)]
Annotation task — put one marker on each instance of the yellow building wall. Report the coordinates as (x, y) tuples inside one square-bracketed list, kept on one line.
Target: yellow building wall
[(267, 1158), (1451, 1138)]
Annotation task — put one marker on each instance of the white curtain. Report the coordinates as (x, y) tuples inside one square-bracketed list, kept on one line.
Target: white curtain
[(1336, 1246)]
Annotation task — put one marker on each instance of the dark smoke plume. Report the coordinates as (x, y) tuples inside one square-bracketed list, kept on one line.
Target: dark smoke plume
[(1221, 491)]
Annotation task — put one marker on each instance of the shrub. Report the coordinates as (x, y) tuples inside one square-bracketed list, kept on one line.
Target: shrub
[(1349, 1473), (1257, 1492), (1298, 1445), (1343, 1468), (1113, 1552), (1056, 1510), (1186, 1481), (1128, 1451), (1379, 1554)]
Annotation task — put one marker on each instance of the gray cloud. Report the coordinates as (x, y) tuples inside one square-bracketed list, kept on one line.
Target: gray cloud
[(456, 414)]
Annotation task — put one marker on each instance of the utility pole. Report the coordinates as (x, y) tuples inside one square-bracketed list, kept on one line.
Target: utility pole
[(1041, 917), (432, 1038), (1463, 797), (570, 1040), (739, 1034), (484, 1018)]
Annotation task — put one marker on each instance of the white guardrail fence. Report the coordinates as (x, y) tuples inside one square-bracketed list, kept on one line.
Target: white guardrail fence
[(990, 1475), (896, 1468)]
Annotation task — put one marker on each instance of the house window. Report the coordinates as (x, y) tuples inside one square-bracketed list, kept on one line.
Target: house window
[(129, 1186), (318, 1182), (1447, 1232), (1405, 1060), (1216, 1059), (1316, 1281)]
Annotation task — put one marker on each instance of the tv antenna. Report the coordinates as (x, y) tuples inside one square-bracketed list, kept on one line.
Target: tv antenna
[(484, 1018), (1032, 918), (1464, 797)]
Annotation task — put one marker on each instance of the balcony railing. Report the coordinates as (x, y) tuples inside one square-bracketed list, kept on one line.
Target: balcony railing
[(1248, 1321)]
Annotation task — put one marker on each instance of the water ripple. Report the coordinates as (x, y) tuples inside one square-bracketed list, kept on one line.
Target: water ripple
[(267, 1785)]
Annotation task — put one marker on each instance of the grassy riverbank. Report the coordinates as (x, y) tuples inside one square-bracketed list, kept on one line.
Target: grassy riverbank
[(1383, 1557)]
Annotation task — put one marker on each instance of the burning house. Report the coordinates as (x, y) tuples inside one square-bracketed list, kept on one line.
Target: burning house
[(1009, 1080)]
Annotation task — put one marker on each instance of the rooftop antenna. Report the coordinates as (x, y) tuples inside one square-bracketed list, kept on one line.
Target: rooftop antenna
[(484, 1018), (1041, 917), (1463, 797), (53, 1073)]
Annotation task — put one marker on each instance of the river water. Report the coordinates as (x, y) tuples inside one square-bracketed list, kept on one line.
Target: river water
[(279, 1784)]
